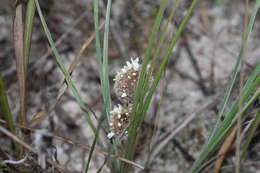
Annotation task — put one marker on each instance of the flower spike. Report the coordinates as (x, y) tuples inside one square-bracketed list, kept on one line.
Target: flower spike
[(119, 120), (125, 81)]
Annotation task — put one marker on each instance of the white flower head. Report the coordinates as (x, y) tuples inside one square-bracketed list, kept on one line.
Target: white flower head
[(134, 64), (125, 81), (119, 120)]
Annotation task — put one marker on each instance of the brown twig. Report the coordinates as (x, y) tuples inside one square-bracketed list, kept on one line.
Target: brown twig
[(224, 149), (194, 62), (186, 155)]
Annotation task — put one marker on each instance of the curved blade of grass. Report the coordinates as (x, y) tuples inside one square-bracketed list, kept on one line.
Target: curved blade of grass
[(206, 150), (103, 60), (138, 90), (156, 55), (96, 23), (64, 70), (227, 126), (30, 12), (139, 94), (252, 83), (230, 120), (164, 34), (103, 64), (237, 66), (166, 58), (6, 112), (158, 48), (105, 74)]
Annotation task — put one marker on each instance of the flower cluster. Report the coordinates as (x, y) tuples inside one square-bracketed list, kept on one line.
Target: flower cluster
[(125, 83), (126, 80), (119, 120)]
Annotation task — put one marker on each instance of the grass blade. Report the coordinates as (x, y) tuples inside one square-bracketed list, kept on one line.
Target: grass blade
[(64, 71), (166, 58), (103, 60), (30, 12), (138, 91), (159, 46), (238, 62), (96, 23), (5, 110), (105, 77)]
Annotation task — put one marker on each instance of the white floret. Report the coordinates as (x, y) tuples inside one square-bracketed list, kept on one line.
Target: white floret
[(110, 135), (117, 110), (124, 95), (135, 63), (129, 65)]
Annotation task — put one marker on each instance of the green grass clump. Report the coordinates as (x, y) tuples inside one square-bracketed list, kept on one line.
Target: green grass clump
[(222, 129)]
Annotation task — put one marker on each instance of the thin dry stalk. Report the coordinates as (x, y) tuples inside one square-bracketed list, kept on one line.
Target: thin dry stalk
[(224, 149)]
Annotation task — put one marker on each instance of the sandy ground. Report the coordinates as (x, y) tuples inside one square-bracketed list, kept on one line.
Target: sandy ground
[(214, 36)]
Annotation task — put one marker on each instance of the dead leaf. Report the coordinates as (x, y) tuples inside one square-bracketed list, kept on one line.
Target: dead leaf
[(37, 118), (18, 40), (224, 149)]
